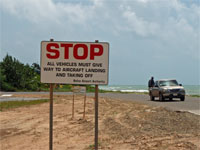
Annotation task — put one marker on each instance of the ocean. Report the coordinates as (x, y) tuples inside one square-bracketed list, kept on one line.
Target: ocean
[(190, 89)]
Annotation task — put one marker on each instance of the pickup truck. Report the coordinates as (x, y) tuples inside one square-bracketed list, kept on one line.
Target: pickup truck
[(167, 88)]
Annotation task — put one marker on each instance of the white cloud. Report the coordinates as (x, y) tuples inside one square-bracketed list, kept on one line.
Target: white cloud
[(35, 11), (163, 19), (174, 24), (136, 12), (144, 1), (38, 11), (139, 25)]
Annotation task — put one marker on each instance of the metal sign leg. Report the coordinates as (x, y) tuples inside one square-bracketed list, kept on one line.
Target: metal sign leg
[(96, 117), (84, 106), (51, 118), (73, 107)]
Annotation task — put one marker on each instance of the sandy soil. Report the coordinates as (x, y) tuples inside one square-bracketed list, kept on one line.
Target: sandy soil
[(123, 125)]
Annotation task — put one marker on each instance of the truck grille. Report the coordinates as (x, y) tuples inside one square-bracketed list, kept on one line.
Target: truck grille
[(175, 90)]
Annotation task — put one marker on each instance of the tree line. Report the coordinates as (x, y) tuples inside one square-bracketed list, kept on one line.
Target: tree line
[(16, 76)]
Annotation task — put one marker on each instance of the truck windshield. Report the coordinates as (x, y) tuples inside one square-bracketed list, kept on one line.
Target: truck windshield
[(168, 83)]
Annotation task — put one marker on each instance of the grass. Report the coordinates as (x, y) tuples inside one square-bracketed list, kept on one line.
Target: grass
[(15, 104), (67, 88), (92, 146), (194, 95)]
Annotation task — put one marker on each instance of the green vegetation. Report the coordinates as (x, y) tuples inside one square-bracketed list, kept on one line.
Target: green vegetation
[(92, 146), (15, 76), (194, 95), (15, 104)]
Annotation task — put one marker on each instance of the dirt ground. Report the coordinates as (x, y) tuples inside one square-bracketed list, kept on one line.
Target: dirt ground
[(123, 125)]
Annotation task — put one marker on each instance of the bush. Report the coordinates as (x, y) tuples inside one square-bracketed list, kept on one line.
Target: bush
[(14, 75)]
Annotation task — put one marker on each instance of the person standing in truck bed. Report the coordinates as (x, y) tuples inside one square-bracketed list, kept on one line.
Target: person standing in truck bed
[(151, 82)]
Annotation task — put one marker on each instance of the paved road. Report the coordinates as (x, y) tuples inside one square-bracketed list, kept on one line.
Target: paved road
[(191, 104)]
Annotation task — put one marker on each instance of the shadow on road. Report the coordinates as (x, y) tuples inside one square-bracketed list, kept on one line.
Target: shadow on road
[(167, 100)]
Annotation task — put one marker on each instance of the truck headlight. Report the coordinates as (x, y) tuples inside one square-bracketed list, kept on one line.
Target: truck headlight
[(166, 91)]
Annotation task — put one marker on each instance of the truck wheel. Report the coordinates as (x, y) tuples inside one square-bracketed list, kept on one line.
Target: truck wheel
[(151, 97), (182, 98), (161, 98)]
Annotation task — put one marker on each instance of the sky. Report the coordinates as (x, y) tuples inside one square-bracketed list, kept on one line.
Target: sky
[(159, 38)]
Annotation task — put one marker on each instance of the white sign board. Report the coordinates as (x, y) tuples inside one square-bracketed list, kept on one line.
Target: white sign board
[(79, 89), (74, 62)]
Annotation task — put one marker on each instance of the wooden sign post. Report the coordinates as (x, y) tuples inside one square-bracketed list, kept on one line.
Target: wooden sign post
[(96, 117), (51, 118), (51, 115), (96, 113), (82, 91), (84, 106), (73, 107)]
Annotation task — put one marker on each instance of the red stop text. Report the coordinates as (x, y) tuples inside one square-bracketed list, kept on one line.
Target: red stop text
[(80, 51)]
